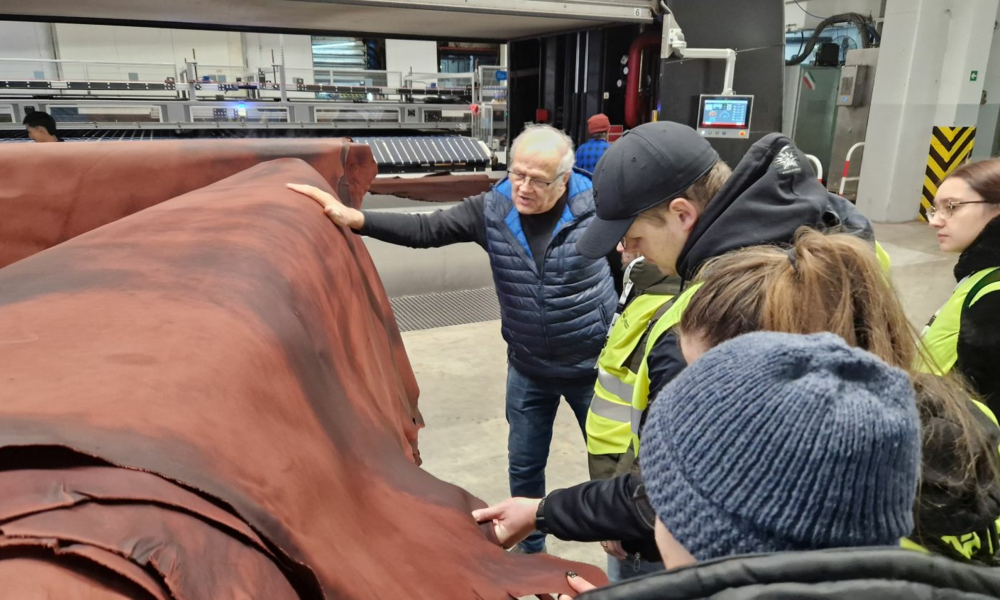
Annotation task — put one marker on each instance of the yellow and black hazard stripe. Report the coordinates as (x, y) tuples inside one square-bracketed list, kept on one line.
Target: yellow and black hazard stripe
[(950, 147)]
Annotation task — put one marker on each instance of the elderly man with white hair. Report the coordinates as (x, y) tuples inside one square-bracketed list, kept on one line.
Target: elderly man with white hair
[(555, 304)]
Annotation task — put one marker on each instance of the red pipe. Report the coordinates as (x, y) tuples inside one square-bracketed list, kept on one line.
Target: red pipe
[(633, 102)]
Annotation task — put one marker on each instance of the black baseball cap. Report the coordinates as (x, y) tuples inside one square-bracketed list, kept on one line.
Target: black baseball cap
[(649, 165)]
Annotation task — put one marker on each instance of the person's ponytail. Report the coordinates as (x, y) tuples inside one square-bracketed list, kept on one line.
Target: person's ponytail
[(823, 282)]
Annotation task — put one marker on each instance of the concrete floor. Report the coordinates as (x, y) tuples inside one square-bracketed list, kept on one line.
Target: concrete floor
[(462, 371)]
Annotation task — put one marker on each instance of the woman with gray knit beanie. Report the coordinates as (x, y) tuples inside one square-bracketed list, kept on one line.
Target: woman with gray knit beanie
[(832, 283), (776, 442)]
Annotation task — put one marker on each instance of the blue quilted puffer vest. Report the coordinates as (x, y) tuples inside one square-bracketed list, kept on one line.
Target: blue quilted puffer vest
[(555, 321)]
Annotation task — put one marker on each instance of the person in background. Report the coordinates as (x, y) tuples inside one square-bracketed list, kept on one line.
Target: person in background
[(776, 442), (41, 127), (590, 152), (555, 304), (964, 335)]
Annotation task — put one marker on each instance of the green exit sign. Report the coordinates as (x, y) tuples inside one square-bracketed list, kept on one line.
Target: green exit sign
[(974, 76)]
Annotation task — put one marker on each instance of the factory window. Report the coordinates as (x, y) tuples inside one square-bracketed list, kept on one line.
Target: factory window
[(459, 57), (337, 59)]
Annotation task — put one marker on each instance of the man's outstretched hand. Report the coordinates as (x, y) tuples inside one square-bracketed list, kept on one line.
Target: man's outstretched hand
[(345, 216), (513, 519)]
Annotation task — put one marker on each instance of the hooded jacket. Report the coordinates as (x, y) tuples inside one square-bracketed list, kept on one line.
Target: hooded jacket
[(843, 574), (952, 501), (769, 196), (979, 336)]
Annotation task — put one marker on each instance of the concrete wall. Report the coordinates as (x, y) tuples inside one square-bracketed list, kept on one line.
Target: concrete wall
[(26, 41), (968, 50), (216, 50), (989, 114), (928, 49), (402, 55), (218, 53)]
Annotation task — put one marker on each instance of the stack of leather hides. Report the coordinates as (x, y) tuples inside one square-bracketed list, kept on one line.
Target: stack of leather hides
[(207, 397)]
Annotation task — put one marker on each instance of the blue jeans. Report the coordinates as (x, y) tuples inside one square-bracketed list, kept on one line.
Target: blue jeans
[(620, 570), (532, 403)]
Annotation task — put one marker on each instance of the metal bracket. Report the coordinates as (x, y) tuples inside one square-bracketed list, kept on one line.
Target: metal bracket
[(675, 44)]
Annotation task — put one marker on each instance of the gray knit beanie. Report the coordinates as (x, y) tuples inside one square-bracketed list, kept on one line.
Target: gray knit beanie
[(776, 442)]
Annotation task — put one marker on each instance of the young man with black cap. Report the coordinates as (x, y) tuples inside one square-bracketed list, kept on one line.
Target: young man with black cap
[(663, 192)]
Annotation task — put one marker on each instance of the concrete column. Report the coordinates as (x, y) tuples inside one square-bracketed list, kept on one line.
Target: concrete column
[(988, 124), (924, 79)]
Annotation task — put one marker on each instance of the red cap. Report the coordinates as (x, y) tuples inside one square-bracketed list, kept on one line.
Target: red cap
[(598, 123)]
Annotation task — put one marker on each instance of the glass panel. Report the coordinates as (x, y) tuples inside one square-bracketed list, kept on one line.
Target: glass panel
[(105, 114)]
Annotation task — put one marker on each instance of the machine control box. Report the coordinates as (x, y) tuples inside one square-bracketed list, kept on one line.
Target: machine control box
[(851, 81), (725, 116)]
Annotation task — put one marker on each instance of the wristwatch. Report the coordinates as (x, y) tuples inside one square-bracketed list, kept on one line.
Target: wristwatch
[(540, 523)]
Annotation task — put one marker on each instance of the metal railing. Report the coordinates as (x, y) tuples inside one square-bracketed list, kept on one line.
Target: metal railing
[(847, 167), (817, 166)]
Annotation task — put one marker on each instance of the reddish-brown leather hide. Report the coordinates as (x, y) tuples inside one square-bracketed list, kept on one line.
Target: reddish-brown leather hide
[(434, 188), (51, 193), (211, 399)]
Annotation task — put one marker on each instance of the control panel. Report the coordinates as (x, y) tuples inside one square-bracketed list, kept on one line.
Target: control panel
[(725, 116), (851, 83)]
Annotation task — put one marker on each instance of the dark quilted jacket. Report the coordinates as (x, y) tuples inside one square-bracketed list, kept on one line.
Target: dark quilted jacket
[(554, 321)]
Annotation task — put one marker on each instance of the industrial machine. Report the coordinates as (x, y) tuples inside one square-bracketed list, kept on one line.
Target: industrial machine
[(854, 102), (93, 101), (815, 110)]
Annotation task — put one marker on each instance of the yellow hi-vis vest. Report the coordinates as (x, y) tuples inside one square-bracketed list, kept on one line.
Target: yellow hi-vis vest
[(609, 420), (940, 340), (940, 336), (640, 392), (883, 257)]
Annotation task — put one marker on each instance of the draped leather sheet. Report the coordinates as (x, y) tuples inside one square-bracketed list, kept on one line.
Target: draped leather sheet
[(439, 187), (51, 193), (211, 399)]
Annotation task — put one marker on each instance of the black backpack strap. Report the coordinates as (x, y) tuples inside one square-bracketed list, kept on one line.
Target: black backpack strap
[(990, 279), (639, 352)]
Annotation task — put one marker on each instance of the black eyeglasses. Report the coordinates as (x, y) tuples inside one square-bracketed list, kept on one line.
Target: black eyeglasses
[(538, 184), (947, 208)]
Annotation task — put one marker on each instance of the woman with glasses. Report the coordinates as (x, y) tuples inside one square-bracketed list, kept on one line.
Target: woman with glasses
[(965, 333)]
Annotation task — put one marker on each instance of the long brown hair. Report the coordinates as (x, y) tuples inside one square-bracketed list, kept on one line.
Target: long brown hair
[(983, 177), (822, 283), (830, 282)]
